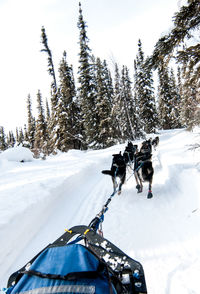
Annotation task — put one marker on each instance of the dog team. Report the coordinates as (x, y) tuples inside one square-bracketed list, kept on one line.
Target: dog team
[(137, 159)]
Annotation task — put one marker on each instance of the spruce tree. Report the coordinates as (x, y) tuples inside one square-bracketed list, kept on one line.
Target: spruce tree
[(165, 98), (190, 102), (176, 101), (103, 106), (145, 94), (52, 124), (3, 145), (116, 112), (175, 45), (17, 135), (48, 115), (137, 122), (190, 99), (20, 136), (31, 123), (40, 145), (69, 95), (128, 105), (66, 133), (186, 21), (108, 82), (26, 139), (180, 93), (48, 127), (10, 139), (51, 69), (87, 86)]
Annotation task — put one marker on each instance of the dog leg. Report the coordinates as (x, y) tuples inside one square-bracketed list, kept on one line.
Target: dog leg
[(120, 189), (150, 195), (114, 183), (121, 183), (138, 182)]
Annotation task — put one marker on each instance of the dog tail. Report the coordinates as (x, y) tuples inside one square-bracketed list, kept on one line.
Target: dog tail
[(107, 172)]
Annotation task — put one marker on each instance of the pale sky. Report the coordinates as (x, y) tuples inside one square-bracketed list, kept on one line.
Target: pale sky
[(114, 27)]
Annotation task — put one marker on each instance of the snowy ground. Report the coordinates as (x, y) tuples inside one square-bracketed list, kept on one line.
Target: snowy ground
[(39, 199)]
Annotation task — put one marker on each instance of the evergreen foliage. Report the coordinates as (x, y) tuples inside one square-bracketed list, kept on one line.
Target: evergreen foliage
[(40, 145), (182, 44), (48, 127), (19, 136), (117, 108), (127, 105), (54, 90), (145, 93), (3, 145), (103, 106), (26, 139), (10, 140), (165, 98), (101, 110), (176, 101), (186, 21), (67, 110), (50, 60), (31, 123), (87, 87), (137, 122)]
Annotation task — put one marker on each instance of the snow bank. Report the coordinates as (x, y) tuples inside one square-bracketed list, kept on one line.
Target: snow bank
[(19, 154)]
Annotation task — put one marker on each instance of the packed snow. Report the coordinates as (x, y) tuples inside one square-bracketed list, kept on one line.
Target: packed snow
[(40, 198)]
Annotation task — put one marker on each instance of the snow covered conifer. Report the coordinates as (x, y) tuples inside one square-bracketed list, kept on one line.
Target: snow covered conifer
[(176, 101), (175, 44), (66, 132), (52, 124), (145, 93), (165, 98), (10, 139), (137, 122), (31, 123), (117, 108), (20, 136), (40, 143), (87, 86), (128, 105), (3, 144), (51, 69), (103, 106), (48, 115)]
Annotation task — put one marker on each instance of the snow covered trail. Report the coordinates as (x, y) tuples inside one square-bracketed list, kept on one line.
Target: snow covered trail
[(39, 199), (45, 197)]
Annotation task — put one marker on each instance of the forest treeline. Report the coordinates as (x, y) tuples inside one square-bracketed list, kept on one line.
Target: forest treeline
[(102, 109)]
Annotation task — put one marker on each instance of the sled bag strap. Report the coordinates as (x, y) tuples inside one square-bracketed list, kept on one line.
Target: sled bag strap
[(68, 277)]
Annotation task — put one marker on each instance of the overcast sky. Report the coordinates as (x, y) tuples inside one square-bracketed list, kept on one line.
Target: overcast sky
[(114, 27)]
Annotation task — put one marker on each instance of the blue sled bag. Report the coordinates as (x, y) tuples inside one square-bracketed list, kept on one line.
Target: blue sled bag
[(96, 267)]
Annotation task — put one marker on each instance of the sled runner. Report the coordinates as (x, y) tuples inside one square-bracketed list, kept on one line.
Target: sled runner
[(87, 264)]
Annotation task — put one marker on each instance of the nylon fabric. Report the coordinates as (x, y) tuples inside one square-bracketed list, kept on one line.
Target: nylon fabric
[(79, 289), (63, 261)]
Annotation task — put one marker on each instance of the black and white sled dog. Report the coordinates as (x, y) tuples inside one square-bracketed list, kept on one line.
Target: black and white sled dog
[(129, 154), (155, 142), (117, 171), (143, 168)]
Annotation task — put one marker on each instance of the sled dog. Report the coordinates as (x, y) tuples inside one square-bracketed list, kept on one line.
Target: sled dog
[(155, 142), (129, 153), (143, 168), (117, 171)]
